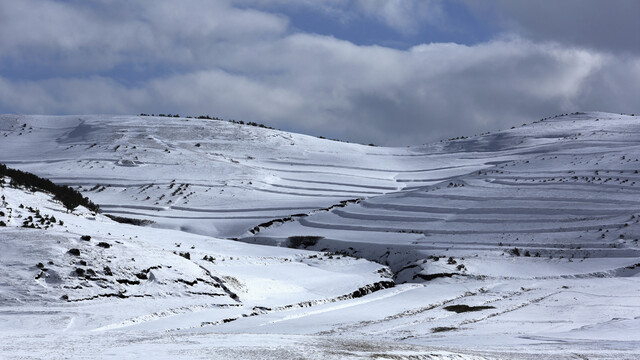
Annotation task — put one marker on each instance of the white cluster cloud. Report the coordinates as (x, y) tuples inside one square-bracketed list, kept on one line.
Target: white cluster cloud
[(91, 35), (228, 60)]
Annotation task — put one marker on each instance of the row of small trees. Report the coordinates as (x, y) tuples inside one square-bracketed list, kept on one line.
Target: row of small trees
[(207, 117), (69, 197)]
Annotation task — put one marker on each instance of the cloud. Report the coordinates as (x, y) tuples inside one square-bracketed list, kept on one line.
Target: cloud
[(330, 87), (604, 25), (214, 58), (88, 36)]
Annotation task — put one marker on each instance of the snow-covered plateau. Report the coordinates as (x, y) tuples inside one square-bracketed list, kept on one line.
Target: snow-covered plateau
[(257, 243)]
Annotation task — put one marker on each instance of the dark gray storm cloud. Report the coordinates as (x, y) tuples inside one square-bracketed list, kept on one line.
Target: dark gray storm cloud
[(610, 25), (232, 60)]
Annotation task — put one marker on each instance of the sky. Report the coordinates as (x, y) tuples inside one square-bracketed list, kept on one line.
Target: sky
[(389, 72)]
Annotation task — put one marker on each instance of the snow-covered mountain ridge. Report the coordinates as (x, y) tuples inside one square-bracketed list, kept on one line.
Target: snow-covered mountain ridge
[(534, 227)]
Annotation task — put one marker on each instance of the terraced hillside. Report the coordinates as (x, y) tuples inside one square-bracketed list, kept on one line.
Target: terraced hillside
[(504, 245), (562, 190), (206, 176)]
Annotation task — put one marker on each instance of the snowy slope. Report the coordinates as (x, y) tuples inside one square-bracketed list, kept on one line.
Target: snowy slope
[(203, 176), (565, 188), (130, 279), (537, 225)]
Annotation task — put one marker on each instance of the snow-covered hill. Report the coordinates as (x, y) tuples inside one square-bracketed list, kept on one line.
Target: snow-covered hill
[(82, 272), (561, 190), (204, 176), (535, 229)]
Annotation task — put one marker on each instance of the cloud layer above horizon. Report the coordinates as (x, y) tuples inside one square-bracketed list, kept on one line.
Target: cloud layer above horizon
[(376, 71)]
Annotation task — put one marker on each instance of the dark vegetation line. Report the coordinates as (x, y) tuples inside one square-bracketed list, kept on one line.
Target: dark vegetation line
[(207, 117), (256, 229), (127, 220), (69, 197)]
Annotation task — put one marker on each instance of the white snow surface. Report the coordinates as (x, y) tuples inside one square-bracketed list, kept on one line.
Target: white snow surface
[(294, 243)]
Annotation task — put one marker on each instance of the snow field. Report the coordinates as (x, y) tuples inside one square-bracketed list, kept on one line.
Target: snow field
[(535, 228)]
